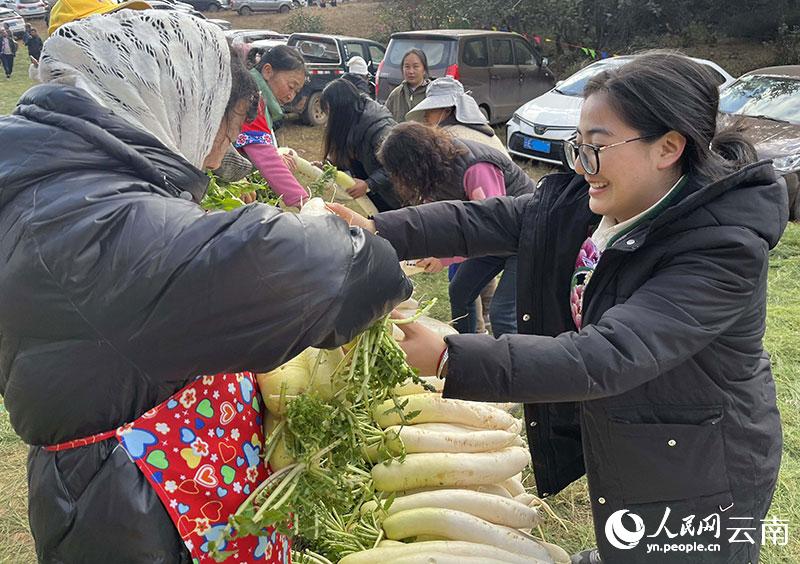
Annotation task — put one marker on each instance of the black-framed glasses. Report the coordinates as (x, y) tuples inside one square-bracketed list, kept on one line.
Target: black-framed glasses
[(589, 155)]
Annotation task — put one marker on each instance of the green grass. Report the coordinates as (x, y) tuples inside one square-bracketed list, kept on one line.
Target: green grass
[(11, 90)]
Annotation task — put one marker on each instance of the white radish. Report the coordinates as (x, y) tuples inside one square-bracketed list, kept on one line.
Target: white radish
[(416, 439), (454, 548), (322, 365), (280, 457), (514, 486), (492, 508), (435, 409), (457, 525), (449, 469), (289, 379), (528, 499), (387, 542), (444, 558), (559, 555), (494, 489), (315, 207)]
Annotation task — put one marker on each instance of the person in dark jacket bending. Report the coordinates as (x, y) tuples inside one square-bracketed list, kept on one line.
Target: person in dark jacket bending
[(641, 358), (428, 164), (356, 127), (118, 291)]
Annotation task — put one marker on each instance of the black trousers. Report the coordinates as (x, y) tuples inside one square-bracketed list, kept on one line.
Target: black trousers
[(8, 63)]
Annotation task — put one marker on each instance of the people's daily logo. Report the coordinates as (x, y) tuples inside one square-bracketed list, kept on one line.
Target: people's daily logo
[(624, 533)]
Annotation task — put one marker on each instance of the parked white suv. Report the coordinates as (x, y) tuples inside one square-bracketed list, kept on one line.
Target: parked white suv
[(14, 21), (26, 8), (247, 7)]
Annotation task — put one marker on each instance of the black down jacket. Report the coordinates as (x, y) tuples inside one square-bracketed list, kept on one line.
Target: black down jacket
[(666, 395), (115, 289), (363, 141)]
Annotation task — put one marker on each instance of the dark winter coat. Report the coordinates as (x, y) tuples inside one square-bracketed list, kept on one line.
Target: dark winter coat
[(474, 152), (363, 141), (34, 45), (116, 288), (665, 396)]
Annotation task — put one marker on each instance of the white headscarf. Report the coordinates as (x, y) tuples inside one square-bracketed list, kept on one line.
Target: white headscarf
[(165, 72)]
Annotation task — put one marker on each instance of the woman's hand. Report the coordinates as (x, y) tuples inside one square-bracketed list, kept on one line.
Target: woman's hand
[(248, 197), (422, 346), (288, 160), (358, 189), (431, 265), (352, 217)]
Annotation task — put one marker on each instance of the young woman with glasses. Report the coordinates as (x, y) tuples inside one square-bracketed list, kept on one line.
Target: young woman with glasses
[(642, 285)]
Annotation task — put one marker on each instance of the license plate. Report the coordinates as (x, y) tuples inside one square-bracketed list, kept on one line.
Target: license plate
[(536, 145)]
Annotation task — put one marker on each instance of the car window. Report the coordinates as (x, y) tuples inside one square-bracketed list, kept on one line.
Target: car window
[(574, 85), (476, 53), (352, 49), (439, 53), (718, 78), (770, 96), (376, 53), (524, 54), (318, 51), (501, 52)]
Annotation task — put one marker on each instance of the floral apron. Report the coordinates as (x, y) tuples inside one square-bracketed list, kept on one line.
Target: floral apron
[(200, 451)]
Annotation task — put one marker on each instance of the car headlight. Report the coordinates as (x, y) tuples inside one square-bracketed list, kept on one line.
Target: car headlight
[(787, 163)]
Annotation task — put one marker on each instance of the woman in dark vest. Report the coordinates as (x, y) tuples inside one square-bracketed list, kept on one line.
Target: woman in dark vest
[(427, 164), (356, 127), (641, 361)]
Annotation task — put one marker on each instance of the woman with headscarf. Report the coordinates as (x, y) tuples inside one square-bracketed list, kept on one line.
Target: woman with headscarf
[(117, 292)]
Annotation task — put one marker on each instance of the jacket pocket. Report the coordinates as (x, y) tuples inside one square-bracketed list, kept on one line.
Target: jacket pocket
[(677, 455)]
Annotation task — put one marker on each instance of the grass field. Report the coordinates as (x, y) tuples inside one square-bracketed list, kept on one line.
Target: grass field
[(16, 544)]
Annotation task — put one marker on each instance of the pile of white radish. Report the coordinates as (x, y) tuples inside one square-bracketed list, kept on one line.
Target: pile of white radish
[(311, 370), (457, 496)]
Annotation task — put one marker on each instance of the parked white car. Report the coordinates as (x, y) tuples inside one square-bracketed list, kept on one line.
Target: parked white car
[(539, 128), (14, 21), (26, 8)]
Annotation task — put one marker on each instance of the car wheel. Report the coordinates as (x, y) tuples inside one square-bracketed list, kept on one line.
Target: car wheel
[(284, 9), (245, 11), (485, 111), (313, 114), (213, 7)]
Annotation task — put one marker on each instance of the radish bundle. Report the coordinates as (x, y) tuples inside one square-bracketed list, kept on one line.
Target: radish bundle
[(328, 183), (370, 463)]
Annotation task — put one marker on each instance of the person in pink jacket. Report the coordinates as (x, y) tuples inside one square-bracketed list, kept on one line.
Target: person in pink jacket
[(280, 74)]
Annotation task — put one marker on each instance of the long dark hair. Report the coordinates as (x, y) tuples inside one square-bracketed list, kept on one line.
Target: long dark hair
[(662, 91), (419, 160), (280, 58), (343, 104), (422, 57)]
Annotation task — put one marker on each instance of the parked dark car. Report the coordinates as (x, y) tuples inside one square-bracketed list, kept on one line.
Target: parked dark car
[(502, 70), (764, 105), (326, 60)]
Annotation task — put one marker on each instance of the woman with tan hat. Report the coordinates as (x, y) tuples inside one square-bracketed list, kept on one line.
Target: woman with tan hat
[(448, 106)]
